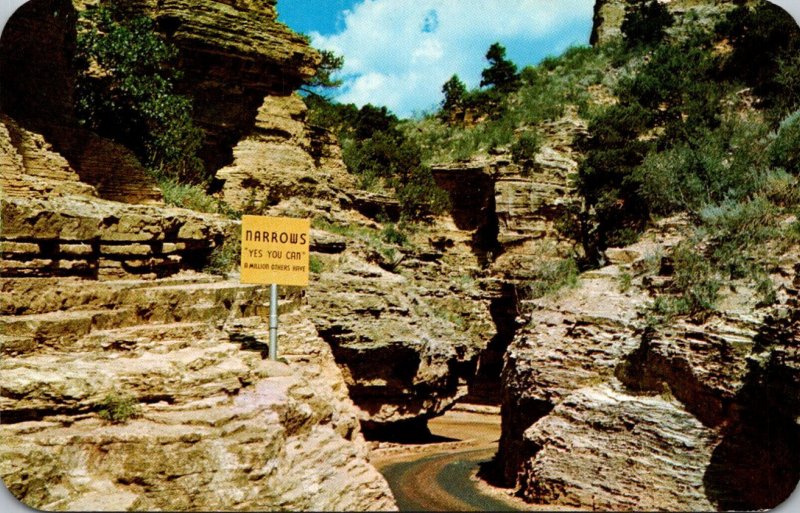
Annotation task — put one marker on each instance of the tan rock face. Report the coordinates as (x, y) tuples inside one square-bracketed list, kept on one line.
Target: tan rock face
[(506, 214), (79, 236), (232, 56), (31, 168), (513, 209), (42, 103), (599, 411), (219, 427), (284, 158), (403, 364), (609, 14)]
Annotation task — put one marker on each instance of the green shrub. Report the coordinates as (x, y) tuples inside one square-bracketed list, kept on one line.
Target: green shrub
[(193, 197), (766, 42), (724, 164), (225, 257), (420, 197), (525, 148), (784, 152), (315, 264), (392, 235), (625, 282), (552, 277), (119, 408), (695, 281), (126, 91), (646, 22)]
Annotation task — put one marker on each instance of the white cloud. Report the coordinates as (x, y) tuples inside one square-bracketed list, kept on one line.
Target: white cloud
[(398, 53)]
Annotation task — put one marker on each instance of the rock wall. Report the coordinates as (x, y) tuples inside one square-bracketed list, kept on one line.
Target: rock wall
[(509, 213), (232, 56), (601, 410), (37, 90), (282, 157), (101, 297), (218, 426), (53, 224), (604, 409)]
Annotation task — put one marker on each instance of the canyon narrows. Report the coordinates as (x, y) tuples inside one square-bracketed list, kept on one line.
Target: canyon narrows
[(134, 371)]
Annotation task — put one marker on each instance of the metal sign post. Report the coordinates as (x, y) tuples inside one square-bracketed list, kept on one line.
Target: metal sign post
[(275, 251), (273, 322)]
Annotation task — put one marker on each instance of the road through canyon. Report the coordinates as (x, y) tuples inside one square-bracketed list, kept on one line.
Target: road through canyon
[(440, 475)]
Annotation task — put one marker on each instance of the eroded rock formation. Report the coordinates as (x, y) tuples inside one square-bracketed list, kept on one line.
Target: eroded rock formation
[(219, 427), (600, 410), (507, 214), (102, 303)]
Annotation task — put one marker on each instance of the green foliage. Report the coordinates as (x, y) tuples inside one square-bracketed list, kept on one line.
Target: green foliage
[(552, 277), (193, 197), (784, 152), (392, 235), (225, 257), (339, 118), (724, 164), (625, 282), (672, 101), (119, 408), (492, 118), (315, 264), (646, 23), (501, 73), (323, 79), (126, 91), (695, 280), (455, 93), (379, 153), (766, 43), (525, 148)]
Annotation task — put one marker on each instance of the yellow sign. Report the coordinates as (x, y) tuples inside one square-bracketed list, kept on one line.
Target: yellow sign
[(275, 250)]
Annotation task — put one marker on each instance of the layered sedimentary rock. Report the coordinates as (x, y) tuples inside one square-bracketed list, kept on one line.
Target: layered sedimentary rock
[(507, 214), (216, 426), (54, 224), (232, 55), (101, 303), (402, 363), (602, 411), (513, 208), (282, 158), (74, 236)]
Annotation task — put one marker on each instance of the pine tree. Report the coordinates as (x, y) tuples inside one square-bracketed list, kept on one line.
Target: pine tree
[(454, 92), (501, 73)]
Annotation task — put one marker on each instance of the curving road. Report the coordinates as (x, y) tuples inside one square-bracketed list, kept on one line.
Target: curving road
[(440, 476)]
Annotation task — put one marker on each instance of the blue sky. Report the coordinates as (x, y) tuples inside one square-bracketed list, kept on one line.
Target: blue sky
[(398, 53)]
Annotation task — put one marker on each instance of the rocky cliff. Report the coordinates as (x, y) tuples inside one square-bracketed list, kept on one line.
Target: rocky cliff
[(100, 301), (232, 56), (605, 408), (506, 214), (130, 379), (601, 410)]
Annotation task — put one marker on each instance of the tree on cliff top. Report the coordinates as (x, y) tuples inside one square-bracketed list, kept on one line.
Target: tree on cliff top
[(501, 73), (454, 92), (324, 79)]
